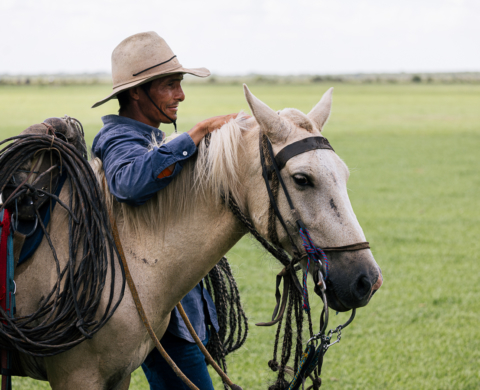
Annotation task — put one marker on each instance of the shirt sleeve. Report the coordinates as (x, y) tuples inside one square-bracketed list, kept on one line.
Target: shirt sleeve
[(131, 170)]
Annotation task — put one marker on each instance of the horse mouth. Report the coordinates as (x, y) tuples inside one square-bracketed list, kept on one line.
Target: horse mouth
[(337, 304), (334, 302), (332, 299)]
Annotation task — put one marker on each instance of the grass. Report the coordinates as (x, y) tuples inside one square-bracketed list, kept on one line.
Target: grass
[(413, 153)]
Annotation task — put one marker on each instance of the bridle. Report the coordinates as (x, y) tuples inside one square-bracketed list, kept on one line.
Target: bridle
[(312, 358), (277, 163)]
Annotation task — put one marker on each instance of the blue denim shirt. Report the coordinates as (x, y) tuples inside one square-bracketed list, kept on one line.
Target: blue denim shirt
[(131, 171)]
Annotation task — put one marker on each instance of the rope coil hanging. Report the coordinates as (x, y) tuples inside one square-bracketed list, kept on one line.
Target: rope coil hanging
[(232, 321), (67, 315)]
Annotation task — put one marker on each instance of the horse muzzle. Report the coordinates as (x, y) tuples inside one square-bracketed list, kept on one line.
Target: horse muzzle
[(353, 279)]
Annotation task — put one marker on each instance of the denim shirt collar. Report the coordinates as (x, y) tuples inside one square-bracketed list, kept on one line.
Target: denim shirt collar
[(143, 128)]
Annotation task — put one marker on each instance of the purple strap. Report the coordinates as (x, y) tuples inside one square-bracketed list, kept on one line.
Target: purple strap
[(315, 255)]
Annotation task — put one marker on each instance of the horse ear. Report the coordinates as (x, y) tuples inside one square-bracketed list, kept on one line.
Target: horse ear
[(321, 112), (268, 119)]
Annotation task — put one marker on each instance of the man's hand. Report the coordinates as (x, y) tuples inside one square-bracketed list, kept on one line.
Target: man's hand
[(206, 126)]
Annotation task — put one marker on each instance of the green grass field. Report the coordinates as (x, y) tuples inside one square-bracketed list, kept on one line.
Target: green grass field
[(414, 155)]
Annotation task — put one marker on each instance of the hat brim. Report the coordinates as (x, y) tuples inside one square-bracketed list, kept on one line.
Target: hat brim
[(199, 72)]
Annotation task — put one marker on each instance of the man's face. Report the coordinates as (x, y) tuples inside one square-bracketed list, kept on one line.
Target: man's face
[(167, 93)]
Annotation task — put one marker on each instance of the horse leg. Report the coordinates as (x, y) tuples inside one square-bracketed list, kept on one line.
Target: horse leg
[(124, 384), (87, 380), (77, 380)]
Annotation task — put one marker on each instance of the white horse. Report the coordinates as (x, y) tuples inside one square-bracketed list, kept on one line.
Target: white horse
[(174, 240)]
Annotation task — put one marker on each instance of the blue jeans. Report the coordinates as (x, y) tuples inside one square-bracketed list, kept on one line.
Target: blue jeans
[(187, 356)]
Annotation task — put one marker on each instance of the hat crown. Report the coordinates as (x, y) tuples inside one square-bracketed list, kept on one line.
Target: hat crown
[(140, 56)]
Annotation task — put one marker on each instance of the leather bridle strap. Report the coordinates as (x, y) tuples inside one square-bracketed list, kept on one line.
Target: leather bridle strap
[(273, 201), (347, 248), (299, 147), (141, 311), (148, 326), (207, 355), (279, 309), (278, 162)]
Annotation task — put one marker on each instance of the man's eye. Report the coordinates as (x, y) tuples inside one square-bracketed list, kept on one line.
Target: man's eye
[(301, 180)]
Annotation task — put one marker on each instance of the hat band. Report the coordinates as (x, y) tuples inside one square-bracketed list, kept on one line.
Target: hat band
[(154, 66)]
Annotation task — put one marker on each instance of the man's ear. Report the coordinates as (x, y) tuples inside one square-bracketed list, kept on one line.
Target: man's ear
[(134, 93)]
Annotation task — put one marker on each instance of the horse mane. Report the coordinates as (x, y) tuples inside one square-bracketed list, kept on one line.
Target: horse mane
[(211, 174)]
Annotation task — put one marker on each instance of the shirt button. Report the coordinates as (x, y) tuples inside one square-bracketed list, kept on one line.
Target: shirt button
[(185, 153)]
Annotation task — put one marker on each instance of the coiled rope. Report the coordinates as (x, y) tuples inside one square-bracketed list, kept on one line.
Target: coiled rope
[(66, 316), (232, 321)]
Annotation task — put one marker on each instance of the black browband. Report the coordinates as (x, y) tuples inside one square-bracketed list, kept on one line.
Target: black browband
[(299, 147)]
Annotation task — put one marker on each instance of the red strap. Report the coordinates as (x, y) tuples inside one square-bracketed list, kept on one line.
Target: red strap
[(3, 257), (5, 224)]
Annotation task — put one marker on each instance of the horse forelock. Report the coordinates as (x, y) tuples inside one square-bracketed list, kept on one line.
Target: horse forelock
[(298, 118), (213, 174)]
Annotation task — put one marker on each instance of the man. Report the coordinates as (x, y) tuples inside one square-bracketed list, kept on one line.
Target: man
[(147, 83)]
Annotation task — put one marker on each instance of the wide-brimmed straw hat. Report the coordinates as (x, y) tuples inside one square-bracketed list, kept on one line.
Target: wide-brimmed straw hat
[(141, 58)]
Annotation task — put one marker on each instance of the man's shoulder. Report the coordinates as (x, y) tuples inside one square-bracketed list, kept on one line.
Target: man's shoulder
[(119, 131), (113, 124)]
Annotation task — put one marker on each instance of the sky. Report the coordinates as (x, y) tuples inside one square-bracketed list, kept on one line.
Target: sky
[(285, 37)]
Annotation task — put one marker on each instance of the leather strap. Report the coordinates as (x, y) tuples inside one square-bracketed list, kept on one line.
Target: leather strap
[(208, 357), (286, 284), (139, 306), (299, 147), (352, 247), (265, 175), (146, 322), (18, 241), (5, 371)]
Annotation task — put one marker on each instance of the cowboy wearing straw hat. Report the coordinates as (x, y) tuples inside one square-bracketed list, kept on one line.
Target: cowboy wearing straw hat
[(146, 81)]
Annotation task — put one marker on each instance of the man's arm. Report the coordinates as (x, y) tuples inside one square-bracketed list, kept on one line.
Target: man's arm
[(133, 173), (202, 128), (197, 133)]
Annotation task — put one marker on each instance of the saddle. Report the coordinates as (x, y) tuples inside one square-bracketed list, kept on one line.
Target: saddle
[(30, 172)]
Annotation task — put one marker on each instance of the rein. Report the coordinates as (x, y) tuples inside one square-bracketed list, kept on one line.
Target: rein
[(138, 304)]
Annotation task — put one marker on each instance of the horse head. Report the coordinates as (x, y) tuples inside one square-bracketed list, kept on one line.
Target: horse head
[(316, 181)]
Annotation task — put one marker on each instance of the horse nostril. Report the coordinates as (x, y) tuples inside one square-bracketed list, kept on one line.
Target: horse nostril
[(362, 287)]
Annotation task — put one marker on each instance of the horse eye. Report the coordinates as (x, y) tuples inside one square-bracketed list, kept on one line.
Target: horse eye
[(301, 180)]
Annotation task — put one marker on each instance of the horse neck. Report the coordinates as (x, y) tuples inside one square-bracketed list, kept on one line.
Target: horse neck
[(172, 256), (171, 263)]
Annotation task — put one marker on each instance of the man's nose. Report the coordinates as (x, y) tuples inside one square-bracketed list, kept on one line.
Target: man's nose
[(180, 95)]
